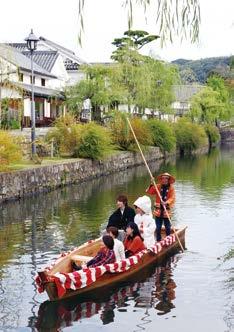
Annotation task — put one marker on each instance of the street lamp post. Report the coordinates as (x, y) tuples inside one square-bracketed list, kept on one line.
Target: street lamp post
[(32, 41)]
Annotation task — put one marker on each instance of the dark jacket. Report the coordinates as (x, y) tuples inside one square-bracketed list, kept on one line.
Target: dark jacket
[(119, 220)]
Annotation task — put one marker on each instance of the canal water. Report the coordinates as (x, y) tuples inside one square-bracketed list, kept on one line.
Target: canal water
[(191, 292)]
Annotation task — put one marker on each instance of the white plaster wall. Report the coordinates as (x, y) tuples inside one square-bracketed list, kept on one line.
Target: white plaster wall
[(176, 105), (47, 108), (26, 79), (59, 70), (10, 93), (75, 77), (27, 107), (37, 80)]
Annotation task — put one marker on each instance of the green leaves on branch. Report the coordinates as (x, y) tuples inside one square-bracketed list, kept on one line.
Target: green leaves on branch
[(163, 135), (76, 140), (212, 133), (122, 136), (212, 104), (94, 142), (136, 81), (10, 151), (133, 40), (172, 17), (189, 136)]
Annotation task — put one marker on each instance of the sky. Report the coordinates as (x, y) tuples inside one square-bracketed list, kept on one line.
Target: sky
[(105, 20)]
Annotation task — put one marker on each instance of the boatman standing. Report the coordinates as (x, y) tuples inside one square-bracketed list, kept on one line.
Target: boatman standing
[(167, 192)]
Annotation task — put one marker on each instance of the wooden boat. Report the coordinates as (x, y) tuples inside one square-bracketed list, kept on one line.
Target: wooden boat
[(54, 315), (47, 278)]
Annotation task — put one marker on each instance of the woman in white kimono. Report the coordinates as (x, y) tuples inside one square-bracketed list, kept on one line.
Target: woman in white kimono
[(144, 220)]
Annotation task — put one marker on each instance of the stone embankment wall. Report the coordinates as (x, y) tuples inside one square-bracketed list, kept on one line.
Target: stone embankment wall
[(227, 135), (14, 185)]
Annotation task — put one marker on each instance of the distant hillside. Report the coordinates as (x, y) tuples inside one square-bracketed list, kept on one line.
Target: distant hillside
[(199, 70)]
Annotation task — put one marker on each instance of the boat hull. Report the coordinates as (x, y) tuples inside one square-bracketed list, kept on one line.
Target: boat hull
[(108, 279)]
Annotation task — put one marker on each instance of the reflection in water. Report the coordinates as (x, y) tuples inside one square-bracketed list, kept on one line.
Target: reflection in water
[(155, 289), (34, 230), (227, 265)]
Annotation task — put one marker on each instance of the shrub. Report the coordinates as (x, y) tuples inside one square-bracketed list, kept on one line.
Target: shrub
[(61, 134), (212, 133), (142, 133), (120, 131), (76, 140), (10, 151), (189, 136), (122, 135), (163, 135), (93, 141)]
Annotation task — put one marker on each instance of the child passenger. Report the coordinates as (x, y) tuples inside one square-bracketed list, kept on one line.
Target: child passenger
[(105, 255), (118, 245), (144, 220)]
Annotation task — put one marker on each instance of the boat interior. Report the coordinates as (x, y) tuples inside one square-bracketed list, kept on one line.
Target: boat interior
[(80, 255)]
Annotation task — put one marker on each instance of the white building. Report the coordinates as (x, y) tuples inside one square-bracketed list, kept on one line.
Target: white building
[(183, 95), (15, 71), (55, 67), (67, 65)]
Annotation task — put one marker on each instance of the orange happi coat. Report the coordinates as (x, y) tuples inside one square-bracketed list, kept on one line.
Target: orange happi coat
[(169, 202)]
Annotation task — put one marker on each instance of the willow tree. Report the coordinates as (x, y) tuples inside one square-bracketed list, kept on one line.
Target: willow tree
[(147, 82), (97, 86), (208, 107), (172, 17)]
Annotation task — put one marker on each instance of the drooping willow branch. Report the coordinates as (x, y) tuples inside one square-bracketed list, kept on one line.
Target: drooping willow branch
[(173, 18)]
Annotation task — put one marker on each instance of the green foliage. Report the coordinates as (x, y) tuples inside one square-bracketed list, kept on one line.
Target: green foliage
[(132, 40), (61, 134), (159, 79), (136, 81), (204, 67), (10, 151), (122, 135), (94, 87), (120, 131), (212, 133), (225, 89), (187, 76), (189, 136), (76, 140), (145, 82), (217, 84), (94, 142), (180, 19), (162, 134), (142, 132), (207, 107)]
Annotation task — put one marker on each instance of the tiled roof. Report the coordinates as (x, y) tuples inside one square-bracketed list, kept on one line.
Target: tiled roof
[(71, 60), (184, 93), (66, 53), (70, 65), (18, 59), (40, 90), (45, 59), (20, 46)]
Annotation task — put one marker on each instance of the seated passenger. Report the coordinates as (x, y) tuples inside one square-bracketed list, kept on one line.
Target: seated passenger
[(118, 245), (105, 255), (144, 220), (123, 215), (133, 242)]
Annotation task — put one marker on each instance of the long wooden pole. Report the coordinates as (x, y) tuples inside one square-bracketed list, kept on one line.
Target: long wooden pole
[(154, 183)]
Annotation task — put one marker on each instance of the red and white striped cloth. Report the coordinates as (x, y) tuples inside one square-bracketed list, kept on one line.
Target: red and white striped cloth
[(85, 277)]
